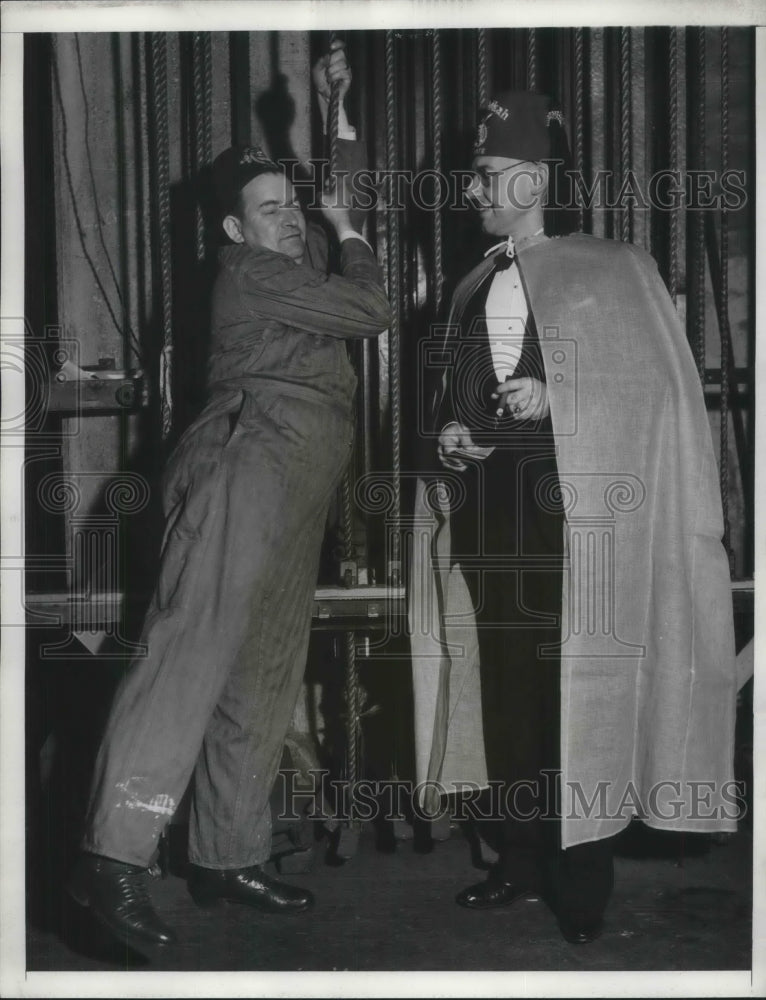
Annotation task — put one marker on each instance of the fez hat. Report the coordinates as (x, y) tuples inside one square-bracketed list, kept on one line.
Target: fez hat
[(234, 168), (519, 125)]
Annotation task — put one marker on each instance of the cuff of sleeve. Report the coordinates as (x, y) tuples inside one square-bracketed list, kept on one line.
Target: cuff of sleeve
[(347, 132), (352, 234)]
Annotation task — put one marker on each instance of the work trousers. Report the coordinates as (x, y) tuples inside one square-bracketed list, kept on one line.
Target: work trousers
[(508, 537), (247, 493)]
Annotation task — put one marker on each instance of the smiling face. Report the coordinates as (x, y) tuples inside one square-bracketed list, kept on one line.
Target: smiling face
[(269, 216), (507, 193)]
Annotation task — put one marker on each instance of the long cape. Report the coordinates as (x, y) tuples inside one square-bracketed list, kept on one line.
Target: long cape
[(648, 678)]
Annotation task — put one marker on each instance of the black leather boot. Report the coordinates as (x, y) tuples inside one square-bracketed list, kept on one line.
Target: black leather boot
[(117, 894), (251, 886)]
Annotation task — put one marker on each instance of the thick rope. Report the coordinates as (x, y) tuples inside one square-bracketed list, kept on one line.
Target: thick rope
[(673, 150), (698, 216), (625, 123), (579, 110), (392, 158), (436, 139), (347, 520), (531, 59), (207, 90), (346, 504), (352, 713), (159, 107), (482, 67), (725, 336), (196, 129), (201, 126)]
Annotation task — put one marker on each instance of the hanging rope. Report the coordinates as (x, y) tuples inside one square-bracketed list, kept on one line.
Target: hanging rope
[(531, 59), (698, 216), (159, 111), (347, 511), (392, 158), (347, 517), (579, 111), (352, 713), (436, 141), (625, 127), (725, 335), (482, 67), (673, 152), (201, 126)]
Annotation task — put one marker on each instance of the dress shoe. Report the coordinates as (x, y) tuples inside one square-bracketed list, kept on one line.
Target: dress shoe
[(581, 931), (247, 885), (116, 893), (494, 892)]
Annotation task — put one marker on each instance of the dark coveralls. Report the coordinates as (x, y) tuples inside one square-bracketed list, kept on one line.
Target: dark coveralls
[(508, 537), (246, 495)]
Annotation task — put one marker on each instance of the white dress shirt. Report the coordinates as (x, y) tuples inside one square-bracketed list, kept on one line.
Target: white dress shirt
[(506, 312)]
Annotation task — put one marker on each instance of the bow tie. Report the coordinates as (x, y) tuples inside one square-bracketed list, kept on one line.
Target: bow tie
[(503, 261)]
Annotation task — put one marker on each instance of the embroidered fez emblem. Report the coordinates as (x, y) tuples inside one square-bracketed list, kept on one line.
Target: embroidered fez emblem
[(482, 133), (252, 154), (554, 116)]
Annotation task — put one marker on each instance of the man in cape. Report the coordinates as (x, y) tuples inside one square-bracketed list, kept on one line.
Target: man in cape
[(585, 526)]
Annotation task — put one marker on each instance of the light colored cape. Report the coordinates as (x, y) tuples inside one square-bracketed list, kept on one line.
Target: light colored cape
[(648, 679)]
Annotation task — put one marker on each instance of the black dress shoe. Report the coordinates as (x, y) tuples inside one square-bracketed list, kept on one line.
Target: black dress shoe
[(493, 892), (581, 931), (247, 885), (116, 893)]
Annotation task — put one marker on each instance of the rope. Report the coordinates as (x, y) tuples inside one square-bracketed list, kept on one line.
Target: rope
[(333, 124), (725, 338), (483, 73), (673, 127), (347, 511), (625, 124), (159, 88), (352, 713), (207, 87), (392, 158), (201, 126), (698, 216), (347, 522), (579, 111), (531, 58), (436, 138)]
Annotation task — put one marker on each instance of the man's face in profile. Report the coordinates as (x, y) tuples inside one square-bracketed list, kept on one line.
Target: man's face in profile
[(504, 190), (270, 217)]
